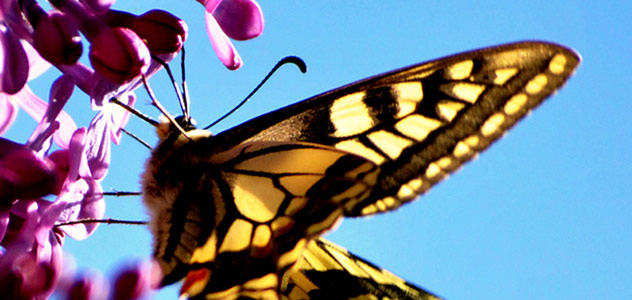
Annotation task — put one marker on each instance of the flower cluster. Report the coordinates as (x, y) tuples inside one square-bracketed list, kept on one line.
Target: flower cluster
[(54, 177)]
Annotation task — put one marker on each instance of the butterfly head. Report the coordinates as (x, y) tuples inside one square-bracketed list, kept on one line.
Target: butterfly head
[(167, 129)]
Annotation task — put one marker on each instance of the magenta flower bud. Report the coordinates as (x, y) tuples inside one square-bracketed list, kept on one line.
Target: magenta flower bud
[(132, 283), (119, 54), (88, 287), (162, 32), (25, 278), (57, 40), (14, 65), (23, 174)]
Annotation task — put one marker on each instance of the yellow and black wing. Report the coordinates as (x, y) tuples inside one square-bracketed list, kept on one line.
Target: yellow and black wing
[(232, 213), (327, 271), (420, 123)]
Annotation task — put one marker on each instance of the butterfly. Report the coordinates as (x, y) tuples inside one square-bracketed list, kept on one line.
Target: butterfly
[(239, 214)]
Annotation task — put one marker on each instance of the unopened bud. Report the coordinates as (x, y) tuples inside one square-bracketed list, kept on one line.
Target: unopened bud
[(57, 39), (119, 54)]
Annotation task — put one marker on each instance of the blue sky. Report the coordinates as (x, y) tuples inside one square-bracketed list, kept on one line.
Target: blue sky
[(544, 214)]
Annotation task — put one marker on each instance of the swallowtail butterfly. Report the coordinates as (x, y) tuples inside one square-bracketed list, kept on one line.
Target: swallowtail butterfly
[(233, 213)]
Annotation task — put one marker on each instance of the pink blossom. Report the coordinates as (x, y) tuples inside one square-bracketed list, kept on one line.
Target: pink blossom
[(237, 19)]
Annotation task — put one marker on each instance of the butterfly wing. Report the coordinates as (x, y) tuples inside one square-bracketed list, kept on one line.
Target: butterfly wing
[(327, 271), (421, 123), (232, 222)]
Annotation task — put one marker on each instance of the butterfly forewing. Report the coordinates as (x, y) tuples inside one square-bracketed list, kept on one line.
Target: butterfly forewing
[(233, 213), (420, 123)]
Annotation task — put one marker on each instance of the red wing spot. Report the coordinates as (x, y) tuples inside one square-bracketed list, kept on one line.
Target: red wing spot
[(195, 277)]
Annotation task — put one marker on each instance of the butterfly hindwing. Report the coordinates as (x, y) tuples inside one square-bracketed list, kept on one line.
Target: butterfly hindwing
[(420, 123), (327, 271), (240, 218)]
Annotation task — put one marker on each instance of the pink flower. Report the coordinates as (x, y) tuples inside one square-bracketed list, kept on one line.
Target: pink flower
[(237, 19), (35, 106), (116, 53), (31, 265)]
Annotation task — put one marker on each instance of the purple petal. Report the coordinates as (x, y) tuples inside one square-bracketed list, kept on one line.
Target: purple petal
[(99, 144), (119, 118), (92, 206), (37, 65), (29, 211), (59, 95), (4, 223), (222, 46), (83, 194), (240, 19), (210, 5), (48, 218), (54, 267), (38, 108), (98, 6), (82, 75), (13, 62), (31, 104), (8, 112), (76, 154)]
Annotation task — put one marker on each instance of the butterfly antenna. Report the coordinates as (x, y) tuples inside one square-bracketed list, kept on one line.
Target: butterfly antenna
[(106, 221), (185, 89), (135, 112), (161, 108), (121, 194), (184, 106), (136, 138), (290, 59)]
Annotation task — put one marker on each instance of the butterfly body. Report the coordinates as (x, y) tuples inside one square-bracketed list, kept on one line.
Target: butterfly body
[(234, 212)]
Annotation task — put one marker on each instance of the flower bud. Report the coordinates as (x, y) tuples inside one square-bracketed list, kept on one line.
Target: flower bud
[(119, 54), (133, 282), (162, 32), (23, 174), (57, 39), (14, 66), (88, 287)]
